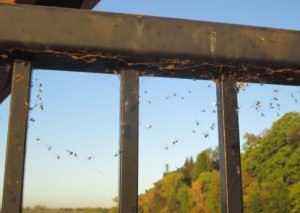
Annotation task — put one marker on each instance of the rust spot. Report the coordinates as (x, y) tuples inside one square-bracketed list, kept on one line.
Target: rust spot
[(170, 67), (9, 182), (139, 18), (7, 1), (18, 77), (216, 82), (4, 56)]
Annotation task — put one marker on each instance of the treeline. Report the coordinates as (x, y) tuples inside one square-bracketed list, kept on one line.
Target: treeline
[(270, 174), (44, 209)]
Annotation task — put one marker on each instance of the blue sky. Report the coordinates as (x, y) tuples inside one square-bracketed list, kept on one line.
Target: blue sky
[(82, 113)]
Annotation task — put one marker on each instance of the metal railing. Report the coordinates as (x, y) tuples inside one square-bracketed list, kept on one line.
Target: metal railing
[(137, 46)]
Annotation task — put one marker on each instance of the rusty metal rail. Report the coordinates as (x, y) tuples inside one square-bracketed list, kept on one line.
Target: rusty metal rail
[(152, 45), (16, 142), (138, 46)]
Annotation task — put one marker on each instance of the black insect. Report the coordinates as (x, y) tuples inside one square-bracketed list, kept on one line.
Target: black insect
[(197, 123), (90, 157), (166, 148), (212, 126), (42, 106), (70, 152), (149, 102), (174, 142), (57, 156), (258, 104), (118, 153), (194, 130), (49, 147), (32, 120), (205, 135), (32, 108), (148, 126), (38, 139), (41, 88)]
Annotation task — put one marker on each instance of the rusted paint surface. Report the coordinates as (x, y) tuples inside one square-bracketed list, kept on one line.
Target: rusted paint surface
[(229, 146), (16, 141), (155, 46), (129, 113)]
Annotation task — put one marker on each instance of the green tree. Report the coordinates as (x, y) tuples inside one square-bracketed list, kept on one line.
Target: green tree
[(203, 164)]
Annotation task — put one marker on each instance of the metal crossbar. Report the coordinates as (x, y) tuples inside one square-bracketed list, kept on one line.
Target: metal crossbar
[(137, 46)]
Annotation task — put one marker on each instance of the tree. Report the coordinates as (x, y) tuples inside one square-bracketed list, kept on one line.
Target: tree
[(203, 164)]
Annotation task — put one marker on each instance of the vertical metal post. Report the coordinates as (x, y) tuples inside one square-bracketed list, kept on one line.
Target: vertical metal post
[(229, 147), (16, 141), (128, 195)]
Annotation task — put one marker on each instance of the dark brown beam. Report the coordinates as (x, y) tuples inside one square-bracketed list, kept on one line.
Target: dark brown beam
[(5, 82), (229, 147), (95, 41), (16, 141), (128, 194), (83, 4)]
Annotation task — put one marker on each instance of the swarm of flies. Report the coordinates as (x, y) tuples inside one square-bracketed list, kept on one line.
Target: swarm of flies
[(38, 102)]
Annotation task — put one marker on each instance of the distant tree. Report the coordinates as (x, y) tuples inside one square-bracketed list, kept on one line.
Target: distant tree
[(166, 170), (203, 164)]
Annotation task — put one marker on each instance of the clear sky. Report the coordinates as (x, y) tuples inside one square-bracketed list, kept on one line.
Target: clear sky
[(81, 112)]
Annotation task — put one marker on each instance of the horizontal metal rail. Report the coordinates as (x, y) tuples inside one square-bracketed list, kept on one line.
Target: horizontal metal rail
[(69, 39)]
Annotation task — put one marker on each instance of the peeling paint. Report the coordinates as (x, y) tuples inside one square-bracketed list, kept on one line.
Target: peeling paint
[(126, 103), (213, 41), (238, 170), (18, 77)]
